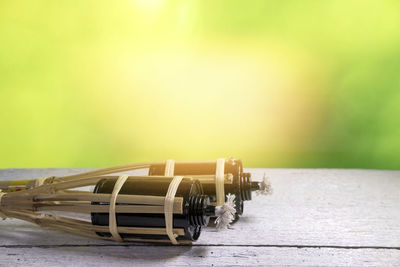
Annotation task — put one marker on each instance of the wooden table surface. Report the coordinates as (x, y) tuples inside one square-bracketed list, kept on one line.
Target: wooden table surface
[(314, 217)]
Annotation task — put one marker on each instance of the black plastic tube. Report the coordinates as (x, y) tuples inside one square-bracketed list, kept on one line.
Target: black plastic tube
[(196, 207)]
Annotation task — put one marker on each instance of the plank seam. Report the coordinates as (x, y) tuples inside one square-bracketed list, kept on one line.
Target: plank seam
[(198, 245)]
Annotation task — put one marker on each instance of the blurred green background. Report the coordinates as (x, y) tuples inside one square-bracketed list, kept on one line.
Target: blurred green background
[(275, 83)]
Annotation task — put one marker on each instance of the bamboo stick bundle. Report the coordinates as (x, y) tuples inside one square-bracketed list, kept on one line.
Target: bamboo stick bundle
[(120, 207)]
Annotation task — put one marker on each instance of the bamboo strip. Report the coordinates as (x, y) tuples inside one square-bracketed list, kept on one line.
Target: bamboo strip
[(26, 201), (61, 186), (87, 208), (187, 162), (210, 179), (204, 179), (78, 208), (153, 178), (181, 242), (88, 196), (63, 206), (84, 225), (61, 222), (129, 167), (168, 207), (129, 239)]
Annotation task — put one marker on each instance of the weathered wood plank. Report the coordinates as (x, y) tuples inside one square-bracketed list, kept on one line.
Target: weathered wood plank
[(195, 256), (337, 217), (322, 207)]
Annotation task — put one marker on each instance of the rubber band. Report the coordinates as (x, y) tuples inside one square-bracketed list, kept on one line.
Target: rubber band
[(169, 167), (112, 222), (219, 182), (169, 208)]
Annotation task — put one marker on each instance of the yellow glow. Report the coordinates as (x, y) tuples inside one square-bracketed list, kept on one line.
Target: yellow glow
[(148, 5), (190, 103)]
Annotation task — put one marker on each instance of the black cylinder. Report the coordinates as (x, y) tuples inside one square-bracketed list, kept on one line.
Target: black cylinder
[(241, 185), (196, 207)]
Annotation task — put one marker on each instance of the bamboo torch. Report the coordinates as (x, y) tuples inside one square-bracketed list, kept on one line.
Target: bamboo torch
[(120, 207)]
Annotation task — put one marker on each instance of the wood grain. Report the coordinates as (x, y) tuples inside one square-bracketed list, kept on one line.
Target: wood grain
[(195, 256), (314, 217)]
